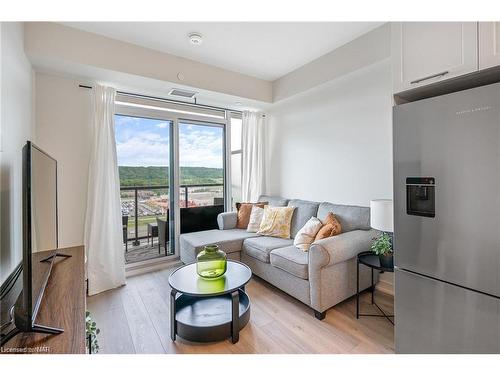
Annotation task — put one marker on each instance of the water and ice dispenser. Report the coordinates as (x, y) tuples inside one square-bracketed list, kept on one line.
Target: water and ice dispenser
[(420, 196)]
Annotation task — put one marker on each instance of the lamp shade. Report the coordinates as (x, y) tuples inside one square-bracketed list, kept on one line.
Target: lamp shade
[(381, 215)]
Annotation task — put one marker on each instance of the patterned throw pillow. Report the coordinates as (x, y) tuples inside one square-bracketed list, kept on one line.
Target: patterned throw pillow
[(276, 221), (255, 219), (307, 234), (331, 227), (244, 211)]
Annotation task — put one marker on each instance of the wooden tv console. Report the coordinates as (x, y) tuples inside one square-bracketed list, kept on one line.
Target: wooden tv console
[(63, 306)]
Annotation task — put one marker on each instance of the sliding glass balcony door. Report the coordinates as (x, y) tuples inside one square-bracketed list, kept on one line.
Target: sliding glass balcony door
[(144, 148)]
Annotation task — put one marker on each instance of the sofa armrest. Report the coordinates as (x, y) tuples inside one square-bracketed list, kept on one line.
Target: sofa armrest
[(227, 220), (338, 249), (332, 267)]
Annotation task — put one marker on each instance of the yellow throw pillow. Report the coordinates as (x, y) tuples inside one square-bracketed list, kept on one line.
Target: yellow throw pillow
[(276, 221)]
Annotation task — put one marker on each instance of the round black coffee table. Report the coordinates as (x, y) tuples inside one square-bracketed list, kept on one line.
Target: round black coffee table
[(209, 310)]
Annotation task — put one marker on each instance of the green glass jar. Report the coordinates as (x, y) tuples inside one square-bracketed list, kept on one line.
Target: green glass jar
[(211, 262)]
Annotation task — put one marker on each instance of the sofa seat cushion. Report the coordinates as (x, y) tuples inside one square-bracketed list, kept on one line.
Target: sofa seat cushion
[(229, 241), (291, 260), (260, 247)]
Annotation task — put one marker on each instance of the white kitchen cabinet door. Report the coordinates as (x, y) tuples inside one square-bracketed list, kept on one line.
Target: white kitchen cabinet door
[(428, 52), (489, 44)]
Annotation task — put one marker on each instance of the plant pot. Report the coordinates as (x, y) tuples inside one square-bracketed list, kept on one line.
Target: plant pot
[(386, 260)]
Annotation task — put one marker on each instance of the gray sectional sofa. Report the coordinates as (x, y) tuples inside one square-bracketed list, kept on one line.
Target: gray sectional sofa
[(320, 278)]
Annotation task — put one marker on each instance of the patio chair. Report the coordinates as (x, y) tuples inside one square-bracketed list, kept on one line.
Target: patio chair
[(162, 233), (125, 231)]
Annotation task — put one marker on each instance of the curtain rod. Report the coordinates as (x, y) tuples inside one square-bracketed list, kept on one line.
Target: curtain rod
[(168, 100)]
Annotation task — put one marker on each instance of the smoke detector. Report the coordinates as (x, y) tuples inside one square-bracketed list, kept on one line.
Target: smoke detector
[(195, 39)]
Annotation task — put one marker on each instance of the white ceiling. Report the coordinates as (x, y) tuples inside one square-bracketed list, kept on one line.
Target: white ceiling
[(266, 50)]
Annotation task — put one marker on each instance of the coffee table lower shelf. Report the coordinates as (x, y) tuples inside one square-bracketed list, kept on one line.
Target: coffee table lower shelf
[(208, 319)]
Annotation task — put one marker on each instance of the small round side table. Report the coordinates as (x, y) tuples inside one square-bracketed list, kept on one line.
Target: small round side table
[(368, 259)]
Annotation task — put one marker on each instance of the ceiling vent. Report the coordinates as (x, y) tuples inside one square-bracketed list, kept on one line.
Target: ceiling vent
[(182, 93)]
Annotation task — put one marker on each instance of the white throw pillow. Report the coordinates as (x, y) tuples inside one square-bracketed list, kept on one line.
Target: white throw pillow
[(255, 219), (307, 233)]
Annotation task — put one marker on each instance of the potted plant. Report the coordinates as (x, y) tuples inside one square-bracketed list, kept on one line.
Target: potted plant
[(92, 332), (382, 246)]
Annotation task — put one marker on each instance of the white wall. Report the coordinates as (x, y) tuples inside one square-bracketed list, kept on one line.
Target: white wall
[(16, 129), (334, 142), (63, 127)]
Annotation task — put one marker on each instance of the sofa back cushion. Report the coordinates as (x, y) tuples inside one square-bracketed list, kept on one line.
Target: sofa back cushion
[(274, 201), (350, 217), (304, 210)]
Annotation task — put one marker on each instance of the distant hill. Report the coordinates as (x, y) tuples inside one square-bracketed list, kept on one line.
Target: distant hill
[(154, 176)]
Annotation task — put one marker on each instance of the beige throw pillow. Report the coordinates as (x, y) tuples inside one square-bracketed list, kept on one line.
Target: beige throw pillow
[(255, 219), (307, 233), (276, 221)]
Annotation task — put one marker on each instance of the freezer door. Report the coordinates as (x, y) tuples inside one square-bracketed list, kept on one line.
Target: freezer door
[(448, 149), (436, 317)]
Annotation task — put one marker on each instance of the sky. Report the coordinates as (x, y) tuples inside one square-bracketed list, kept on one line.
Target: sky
[(145, 142)]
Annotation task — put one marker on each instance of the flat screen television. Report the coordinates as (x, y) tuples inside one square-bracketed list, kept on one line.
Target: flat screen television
[(40, 238)]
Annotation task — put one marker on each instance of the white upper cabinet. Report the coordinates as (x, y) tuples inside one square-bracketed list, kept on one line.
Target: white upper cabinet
[(428, 52), (489, 44)]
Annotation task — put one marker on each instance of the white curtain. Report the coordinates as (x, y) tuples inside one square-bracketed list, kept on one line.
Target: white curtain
[(103, 228), (252, 174)]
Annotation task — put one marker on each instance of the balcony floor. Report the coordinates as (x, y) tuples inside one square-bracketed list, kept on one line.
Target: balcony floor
[(144, 251)]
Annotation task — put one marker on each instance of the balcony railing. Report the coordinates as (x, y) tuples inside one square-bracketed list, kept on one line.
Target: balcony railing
[(142, 204)]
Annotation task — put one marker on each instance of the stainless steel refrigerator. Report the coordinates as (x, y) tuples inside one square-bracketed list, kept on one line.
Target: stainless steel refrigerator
[(447, 223)]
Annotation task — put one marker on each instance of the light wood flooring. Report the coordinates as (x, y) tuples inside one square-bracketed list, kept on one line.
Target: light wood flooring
[(135, 319)]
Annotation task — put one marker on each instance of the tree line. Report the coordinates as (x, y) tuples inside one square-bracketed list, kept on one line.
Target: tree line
[(154, 176)]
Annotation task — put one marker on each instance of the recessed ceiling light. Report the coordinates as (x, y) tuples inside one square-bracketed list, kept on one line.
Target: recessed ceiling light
[(237, 103), (195, 39)]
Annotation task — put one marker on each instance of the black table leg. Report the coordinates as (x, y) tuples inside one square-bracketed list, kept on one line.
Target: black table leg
[(235, 316), (372, 288), (357, 288), (173, 323)]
